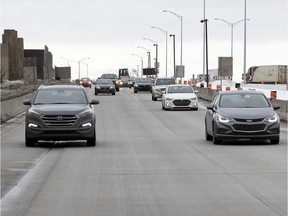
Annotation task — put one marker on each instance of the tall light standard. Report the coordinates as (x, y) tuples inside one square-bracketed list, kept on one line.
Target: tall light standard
[(87, 68), (245, 21), (232, 25), (166, 33), (79, 66), (156, 45), (181, 19), (141, 63), (206, 45), (148, 52), (174, 64), (67, 60)]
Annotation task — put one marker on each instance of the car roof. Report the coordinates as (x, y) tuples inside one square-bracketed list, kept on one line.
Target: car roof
[(240, 92), (164, 78), (61, 87)]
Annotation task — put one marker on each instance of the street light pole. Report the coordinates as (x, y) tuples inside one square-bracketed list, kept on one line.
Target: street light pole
[(206, 40), (79, 66), (232, 25), (68, 61), (149, 56), (181, 20), (245, 21), (87, 68), (141, 63), (154, 44), (166, 33), (174, 64)]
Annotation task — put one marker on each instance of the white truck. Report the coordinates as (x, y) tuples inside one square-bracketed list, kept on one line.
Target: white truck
[(268, 74)]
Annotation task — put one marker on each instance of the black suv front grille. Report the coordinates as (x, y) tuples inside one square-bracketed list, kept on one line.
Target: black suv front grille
[(59, 121)]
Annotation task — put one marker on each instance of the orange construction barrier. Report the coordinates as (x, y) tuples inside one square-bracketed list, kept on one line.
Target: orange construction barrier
[(219, 88), (273, 94)]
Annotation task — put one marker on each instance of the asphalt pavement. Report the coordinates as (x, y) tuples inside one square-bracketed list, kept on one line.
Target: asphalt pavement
[(147, 161)]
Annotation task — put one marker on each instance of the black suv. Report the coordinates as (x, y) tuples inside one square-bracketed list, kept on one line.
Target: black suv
[(60, 112)]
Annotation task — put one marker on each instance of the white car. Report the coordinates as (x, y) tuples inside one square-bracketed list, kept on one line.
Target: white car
[(179, 96)]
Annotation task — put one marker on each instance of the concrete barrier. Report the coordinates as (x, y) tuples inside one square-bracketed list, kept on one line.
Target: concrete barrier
[(13, 107), (209, 94)]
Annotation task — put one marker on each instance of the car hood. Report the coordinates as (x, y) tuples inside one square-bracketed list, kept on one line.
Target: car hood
[(181, 96), (104, 85), (246, 113), (60, 109), (143, 83)]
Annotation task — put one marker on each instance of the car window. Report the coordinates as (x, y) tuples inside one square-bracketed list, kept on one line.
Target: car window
[(63, 96), (143, 81), (180, 89), (165, 81), (104, 81), (243, 101), (109, 76)]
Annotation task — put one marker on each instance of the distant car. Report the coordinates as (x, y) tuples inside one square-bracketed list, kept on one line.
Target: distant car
[(179, 97), (237, 115), (123, 82), (60, 112), (131, 82), (86, 82), (142, 84), (160, 85), (113, 77), (104, 86)]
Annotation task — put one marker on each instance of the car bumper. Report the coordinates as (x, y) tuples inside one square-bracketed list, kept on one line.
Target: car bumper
[(173, 105), (228, 132), (60, 133), (105, 90), (157, 94), (142, 88)]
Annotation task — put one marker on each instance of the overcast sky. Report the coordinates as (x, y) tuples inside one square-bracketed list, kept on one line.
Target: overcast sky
[(109, 31)]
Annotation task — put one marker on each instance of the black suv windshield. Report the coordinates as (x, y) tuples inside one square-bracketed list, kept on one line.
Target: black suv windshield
[(62, 96)]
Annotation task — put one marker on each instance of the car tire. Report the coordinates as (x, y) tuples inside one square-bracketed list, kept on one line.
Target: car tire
[(214, 138), (95, 93), (92, 141), (154, 98), (275, 141), (208, 137), (135, 92), (30, 142), (113, 93)]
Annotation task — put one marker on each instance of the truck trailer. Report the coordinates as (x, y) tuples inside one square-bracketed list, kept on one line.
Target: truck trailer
[(268, 74)]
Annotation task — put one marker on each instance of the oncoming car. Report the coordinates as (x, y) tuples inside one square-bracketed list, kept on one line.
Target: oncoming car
[(242, 115), (60, 112), (104, 86), (160, 85), (142, 84), (179, 96), (86, 82)]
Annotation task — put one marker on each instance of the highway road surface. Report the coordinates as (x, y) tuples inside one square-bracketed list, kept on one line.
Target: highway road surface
[(147, 162)]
